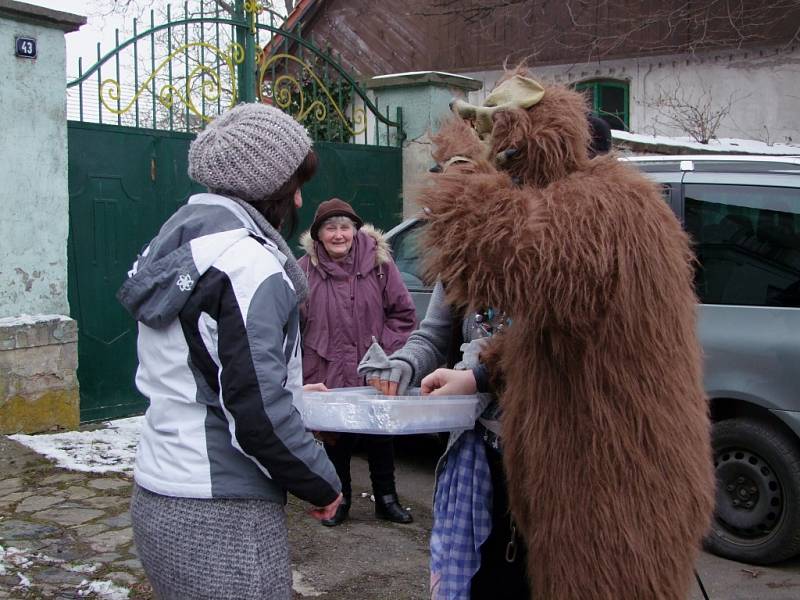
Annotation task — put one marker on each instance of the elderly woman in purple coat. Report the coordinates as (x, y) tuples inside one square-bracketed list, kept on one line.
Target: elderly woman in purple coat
[(355, 294)]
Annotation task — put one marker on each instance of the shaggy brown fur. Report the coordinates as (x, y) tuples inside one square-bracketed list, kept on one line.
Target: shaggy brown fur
[(605, 426)]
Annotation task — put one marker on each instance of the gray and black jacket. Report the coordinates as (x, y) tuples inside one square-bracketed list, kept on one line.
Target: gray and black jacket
[(219, 360)]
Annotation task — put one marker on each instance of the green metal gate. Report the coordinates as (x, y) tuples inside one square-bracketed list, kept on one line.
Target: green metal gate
[(123, 183), (128, 146)]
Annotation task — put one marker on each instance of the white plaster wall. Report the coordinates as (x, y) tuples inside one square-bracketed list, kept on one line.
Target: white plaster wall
[(34, 204), (763, 85), (424, 107)]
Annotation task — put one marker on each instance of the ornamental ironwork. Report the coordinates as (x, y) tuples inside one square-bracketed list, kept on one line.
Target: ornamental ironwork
[(309, 98), (182, 71)]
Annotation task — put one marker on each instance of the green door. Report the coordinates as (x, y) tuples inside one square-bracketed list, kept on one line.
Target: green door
[(123, 184)]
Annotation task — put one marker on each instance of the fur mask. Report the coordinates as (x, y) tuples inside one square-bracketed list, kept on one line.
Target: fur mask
[(535, 136)]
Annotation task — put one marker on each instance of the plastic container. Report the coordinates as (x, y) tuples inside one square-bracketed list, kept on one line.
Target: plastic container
[(364, 410)]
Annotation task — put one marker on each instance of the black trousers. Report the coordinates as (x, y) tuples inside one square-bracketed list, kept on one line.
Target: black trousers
[(497, 577), (380, 455)]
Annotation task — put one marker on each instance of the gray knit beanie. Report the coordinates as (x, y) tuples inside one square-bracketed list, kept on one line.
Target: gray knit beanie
[(249, 151)]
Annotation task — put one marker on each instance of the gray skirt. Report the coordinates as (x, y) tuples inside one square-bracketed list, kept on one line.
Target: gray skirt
[(214, 549)]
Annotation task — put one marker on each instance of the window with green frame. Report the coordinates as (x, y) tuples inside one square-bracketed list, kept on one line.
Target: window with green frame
[(609, 101)]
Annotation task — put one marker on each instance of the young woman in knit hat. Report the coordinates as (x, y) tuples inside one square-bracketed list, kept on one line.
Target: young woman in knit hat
[(356, 295), (217, 294)]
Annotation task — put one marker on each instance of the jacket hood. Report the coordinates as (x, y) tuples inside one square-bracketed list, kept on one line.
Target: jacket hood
[(383, 251), (165, 273)]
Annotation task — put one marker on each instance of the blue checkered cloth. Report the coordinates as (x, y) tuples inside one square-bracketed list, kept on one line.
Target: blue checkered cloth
[(462, 518)]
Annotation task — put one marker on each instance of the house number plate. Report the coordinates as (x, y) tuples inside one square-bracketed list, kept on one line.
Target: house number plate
[(26, 47)]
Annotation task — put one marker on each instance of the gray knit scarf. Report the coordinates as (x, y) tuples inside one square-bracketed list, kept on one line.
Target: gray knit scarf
[(293, 270)]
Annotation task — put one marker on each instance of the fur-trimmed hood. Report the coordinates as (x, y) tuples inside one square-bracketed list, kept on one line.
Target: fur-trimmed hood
[(350, 304), (383, 251)]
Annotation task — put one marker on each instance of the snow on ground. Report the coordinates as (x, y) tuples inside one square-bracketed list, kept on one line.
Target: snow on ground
[(111, 448), (25, 319), (716, 145), (300, 586), (20, 562), (106, 590), (14, 558), (23, 581)]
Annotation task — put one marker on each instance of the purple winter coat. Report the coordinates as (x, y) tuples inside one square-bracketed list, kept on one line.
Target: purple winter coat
[(348, 303)]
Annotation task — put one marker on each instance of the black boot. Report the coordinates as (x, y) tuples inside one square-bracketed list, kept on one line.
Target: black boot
[(388, 508), (341, 514)]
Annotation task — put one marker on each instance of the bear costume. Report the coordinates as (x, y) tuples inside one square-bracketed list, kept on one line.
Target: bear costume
[(605, 427)]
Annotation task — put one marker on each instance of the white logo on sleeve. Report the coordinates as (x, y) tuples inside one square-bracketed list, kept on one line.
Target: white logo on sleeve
[(185, 283)]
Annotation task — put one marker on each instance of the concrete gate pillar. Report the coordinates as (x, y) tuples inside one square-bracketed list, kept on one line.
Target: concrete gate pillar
[(38, 341), (424, 97)]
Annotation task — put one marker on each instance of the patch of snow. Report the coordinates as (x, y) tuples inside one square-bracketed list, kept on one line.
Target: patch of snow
[(14, 557), (25, 319), (110, 449), (47, 559), (103, 589), (302, 588), (412, 73), (23, 581), (19, 560), (13, 561), (83, 568), (715, 145)]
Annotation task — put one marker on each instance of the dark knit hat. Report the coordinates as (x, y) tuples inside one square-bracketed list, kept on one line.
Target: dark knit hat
[(333, 208), (248, 152)]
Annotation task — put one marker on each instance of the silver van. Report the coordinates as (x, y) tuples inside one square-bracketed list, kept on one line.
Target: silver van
[(743, 213)]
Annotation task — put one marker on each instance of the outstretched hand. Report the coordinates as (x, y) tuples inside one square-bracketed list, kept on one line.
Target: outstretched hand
[(449, 382), (321, 513), (391, 381), (315, 387)]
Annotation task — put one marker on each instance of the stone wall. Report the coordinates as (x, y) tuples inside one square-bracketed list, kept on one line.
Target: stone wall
[(38, 383)]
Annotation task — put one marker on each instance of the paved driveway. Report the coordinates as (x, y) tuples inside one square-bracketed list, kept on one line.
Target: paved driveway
[(66, 535), (390, 561)]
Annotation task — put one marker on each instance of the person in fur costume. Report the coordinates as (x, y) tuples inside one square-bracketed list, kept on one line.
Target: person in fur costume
[(604, 424)]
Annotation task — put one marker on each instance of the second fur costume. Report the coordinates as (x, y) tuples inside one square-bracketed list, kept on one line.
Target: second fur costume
[(605, 429)]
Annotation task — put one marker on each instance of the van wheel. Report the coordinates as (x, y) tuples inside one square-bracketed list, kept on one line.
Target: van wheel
[(758, 490)]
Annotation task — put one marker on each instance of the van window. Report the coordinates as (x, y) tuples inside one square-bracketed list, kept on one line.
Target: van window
[(747, 241)]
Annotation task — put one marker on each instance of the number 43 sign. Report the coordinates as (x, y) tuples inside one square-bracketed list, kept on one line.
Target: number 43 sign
[(26, 47)]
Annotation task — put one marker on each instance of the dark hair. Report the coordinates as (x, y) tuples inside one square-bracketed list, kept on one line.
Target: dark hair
[(601, 136), (278, 208)]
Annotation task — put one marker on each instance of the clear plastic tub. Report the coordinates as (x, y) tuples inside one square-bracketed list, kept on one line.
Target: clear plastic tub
[(364, 410)]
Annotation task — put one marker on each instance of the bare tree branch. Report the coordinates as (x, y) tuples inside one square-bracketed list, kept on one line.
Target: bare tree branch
[(224, 5), (697, 114), (596, 29)]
